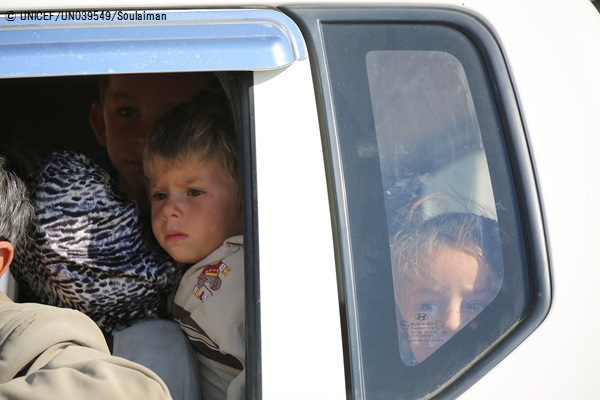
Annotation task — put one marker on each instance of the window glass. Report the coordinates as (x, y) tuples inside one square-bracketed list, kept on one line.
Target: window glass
[(429, 142), (435, 267)]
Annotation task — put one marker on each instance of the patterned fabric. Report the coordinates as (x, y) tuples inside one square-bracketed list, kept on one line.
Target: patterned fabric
[(86, 248)]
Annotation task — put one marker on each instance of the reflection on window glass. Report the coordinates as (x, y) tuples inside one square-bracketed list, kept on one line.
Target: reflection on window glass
[(445, 244)]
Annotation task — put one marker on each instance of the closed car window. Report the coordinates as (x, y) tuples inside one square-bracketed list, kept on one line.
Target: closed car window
[(435, 260), (446, 255)]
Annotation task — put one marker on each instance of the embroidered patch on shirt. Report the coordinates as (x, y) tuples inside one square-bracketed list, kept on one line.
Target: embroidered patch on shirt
[(210, 280)]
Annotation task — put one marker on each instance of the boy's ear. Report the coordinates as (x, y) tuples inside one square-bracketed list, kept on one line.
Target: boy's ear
[(6, 256), (96, 118)]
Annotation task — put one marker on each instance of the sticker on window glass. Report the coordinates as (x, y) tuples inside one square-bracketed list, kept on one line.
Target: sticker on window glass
[(447, 269)]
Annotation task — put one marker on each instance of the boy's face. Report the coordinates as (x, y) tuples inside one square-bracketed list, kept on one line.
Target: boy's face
[(195, 207), (437, 305), (131, 106)]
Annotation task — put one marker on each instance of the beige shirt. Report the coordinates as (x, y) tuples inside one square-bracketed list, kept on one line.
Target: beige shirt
[(209, 306), (69, 358)]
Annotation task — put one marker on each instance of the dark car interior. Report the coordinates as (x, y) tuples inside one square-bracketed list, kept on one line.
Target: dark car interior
[(42, 115)]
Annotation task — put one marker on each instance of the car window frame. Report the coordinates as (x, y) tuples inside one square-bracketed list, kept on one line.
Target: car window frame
[(311, 21)]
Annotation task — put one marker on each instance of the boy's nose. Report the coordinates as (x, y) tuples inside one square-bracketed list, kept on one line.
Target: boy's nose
[(141, 134), (453, 319), (171, 209)]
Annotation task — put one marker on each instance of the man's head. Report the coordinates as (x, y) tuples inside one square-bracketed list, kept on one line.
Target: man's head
[(16, 213), (128, 108)]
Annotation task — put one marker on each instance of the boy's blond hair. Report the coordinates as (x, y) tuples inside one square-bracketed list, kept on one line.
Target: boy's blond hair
[(200, 129), (414, 244)]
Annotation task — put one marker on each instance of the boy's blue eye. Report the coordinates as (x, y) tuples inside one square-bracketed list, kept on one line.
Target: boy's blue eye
[(159, 196), (476, 306), (195, 192), (429, 306)]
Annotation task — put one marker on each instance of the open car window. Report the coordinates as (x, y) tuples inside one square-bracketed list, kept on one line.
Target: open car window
[(50, 73)]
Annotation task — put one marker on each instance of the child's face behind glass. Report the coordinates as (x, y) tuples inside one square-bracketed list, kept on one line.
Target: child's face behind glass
[(132, 105), (195, 208), (453, 291)]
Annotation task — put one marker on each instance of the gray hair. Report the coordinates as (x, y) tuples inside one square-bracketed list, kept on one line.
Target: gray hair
[(16, 209)]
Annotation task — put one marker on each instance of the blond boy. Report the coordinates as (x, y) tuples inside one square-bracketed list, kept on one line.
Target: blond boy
[(447, 269), (192, 163)]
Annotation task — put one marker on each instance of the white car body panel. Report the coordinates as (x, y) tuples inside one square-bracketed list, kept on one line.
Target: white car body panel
[(295, 243), (553, 55)]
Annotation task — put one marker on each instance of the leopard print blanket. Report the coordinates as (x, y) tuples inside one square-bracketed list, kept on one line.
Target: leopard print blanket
[(86, 249)]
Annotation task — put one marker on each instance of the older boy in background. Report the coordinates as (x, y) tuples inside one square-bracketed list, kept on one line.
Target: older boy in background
[(127, 109)]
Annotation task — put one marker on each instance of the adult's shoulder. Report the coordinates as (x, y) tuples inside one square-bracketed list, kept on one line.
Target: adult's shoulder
[(29, 329)]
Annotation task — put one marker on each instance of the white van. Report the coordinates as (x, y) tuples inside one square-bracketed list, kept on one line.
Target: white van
[(350, 112)]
